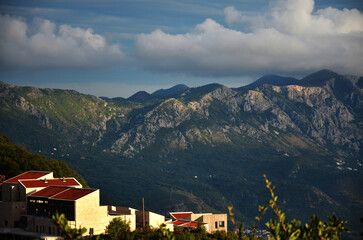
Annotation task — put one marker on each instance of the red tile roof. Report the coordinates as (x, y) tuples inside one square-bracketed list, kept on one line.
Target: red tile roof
[(72, 194), (63, 192), (180, 215), (49, 191), (42, 183), (190, 224), (27, 175), (178, 222)]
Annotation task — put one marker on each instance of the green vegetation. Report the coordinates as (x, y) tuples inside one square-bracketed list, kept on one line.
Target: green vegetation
[(15, 160), (279, 228), (204, 155), (118, 229), (68, 233)]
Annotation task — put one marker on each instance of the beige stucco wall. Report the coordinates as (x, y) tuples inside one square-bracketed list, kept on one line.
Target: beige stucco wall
[(90, 214), (211, 219), (48, 176), (155, 220)]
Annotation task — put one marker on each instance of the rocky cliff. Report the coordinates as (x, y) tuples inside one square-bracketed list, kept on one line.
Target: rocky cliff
[(206, 147)]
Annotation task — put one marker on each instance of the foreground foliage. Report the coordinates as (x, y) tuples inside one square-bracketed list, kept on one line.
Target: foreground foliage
[(68, 233), (279, 228)]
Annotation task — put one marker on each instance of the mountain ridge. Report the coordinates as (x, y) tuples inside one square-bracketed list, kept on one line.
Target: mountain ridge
[(275, 80), (171, 92), (207, 147)]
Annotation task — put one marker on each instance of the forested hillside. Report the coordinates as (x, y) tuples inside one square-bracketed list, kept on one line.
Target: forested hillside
[(15, 159)]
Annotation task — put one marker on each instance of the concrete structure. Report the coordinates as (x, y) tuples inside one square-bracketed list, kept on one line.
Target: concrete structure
[(15, 191), (212, 222), (80, 206), (30, 199), (152, 219)]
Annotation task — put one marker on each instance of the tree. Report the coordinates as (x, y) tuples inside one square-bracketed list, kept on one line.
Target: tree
[(118, 229)]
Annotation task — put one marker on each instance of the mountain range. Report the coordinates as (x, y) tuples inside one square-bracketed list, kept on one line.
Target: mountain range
[(201, 149)]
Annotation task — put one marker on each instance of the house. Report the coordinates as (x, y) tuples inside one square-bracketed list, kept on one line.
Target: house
[(30, 199), (212, 222), (15, 190), (80, 206)]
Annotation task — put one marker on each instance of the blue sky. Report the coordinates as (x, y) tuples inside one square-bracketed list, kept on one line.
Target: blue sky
[(116, 48)]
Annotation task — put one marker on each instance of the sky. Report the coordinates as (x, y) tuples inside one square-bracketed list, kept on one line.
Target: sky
[(115, 48)]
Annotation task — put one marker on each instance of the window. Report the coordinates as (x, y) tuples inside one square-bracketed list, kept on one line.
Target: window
[(221, 223), (91, 231), (216, 225)]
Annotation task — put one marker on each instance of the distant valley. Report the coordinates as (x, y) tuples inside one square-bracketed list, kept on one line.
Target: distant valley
[(201, 149)]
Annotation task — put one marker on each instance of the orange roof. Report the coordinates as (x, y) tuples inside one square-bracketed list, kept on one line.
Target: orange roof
[(180, 215), (72, 194), (44, 183), (27, 175), (49, 191)]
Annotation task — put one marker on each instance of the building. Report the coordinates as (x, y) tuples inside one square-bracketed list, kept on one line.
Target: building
[(80, 206), (15, 191), (30, 199), (151, 219), (212, 222)]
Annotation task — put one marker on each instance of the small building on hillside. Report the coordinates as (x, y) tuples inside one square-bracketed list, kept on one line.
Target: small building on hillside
[(212, 222)]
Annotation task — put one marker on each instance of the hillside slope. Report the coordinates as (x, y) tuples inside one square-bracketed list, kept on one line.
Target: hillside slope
[(15, 160), (208, 147)]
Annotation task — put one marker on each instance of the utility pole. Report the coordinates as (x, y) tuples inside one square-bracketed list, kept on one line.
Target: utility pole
[(143, 214)]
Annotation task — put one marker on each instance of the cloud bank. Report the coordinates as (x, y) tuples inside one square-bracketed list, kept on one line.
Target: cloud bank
[(290, 38), (43, 45)]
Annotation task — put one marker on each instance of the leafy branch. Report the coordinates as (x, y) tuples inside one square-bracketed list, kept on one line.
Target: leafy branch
[(69, 233), (282, 228)]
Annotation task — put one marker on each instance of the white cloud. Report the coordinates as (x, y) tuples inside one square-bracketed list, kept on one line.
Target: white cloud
[(43, 45), (232, 15), (291, 38)]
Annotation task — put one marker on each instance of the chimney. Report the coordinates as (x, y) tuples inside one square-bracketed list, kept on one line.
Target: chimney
[(63, 179)]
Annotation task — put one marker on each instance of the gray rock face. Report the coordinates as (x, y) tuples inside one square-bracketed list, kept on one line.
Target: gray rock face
[(313, 114), (322, 116), (208, 143)]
